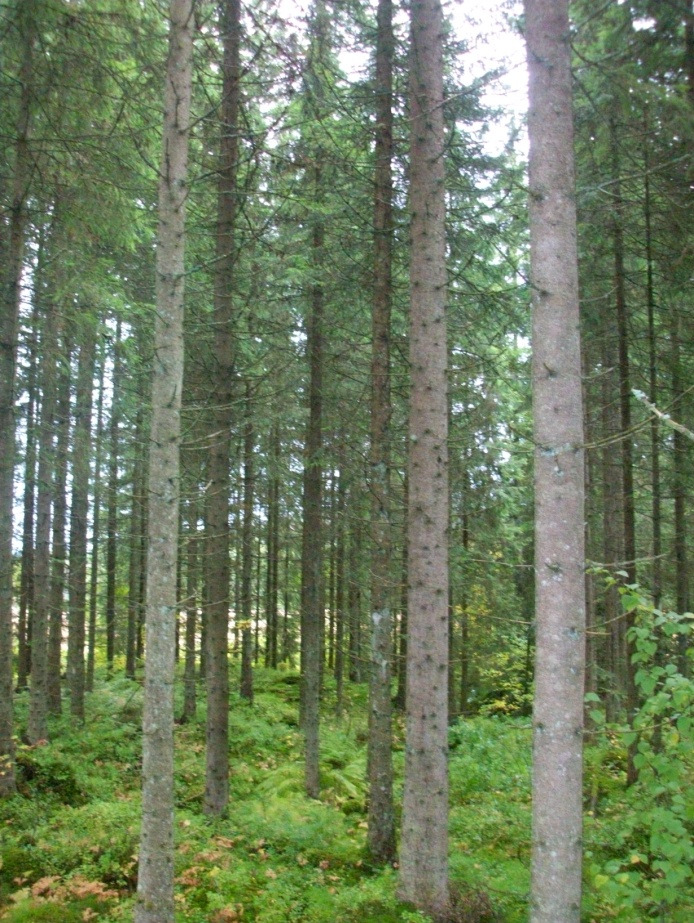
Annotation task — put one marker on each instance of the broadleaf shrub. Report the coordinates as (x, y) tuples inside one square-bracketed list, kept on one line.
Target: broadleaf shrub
[(650, 867)]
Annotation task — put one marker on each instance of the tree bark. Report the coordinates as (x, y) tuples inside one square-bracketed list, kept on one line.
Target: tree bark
[(26, 586), (679, 490), (656, 498), (312, 528), (258, 599), (627, 466), (559, 473), (155, 885), (424, 848), (312, 532), (58, 548), (463, 702), (192, 581), (247, 553), (112, 503), (79, 513), (287, 639), (135, 563), (340, 613), (381, 818), (38, 703), (401, 692), (612, 531), (96, 528), (217, 512), (11, 280), (273, 550), (354, 598)]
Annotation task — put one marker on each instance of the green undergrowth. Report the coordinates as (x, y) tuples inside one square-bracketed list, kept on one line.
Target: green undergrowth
[(69, 839)]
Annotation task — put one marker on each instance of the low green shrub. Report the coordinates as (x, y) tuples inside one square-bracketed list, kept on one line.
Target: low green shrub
[(640, 844), (42, 771)]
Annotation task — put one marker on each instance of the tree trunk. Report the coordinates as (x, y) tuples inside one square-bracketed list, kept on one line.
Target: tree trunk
[(312, 528), (679, 490), (559, 473), (26, 587), (287, 644), (381, 819), (273, 537), (58, 549), (135, 563), (144, 552), (656, 498), (354, 599), (463, 702), (401, 692), (112, 504), (155, 885), (340, 614), (192, 580), (612, 531), (38, 704), (96, 527), (218, 494), (312, 540), (424, 849), (627, 467), (258, 599), (247, 553), (11, 280), (79, 512)]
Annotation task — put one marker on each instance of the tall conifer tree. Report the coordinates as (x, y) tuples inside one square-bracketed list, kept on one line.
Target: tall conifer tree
[(218, 494), (424, 850), (13, 255), (381, 834), (155, 898), (559, 472)]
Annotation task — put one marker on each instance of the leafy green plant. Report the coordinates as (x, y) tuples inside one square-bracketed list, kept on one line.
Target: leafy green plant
[(652, 856), (41, 771)]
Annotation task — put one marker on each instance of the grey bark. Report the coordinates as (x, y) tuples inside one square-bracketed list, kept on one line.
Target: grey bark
[(273, 551), (612, 531), (246, 689), (381, 817), (9, 308), (559, 473), (401, 692), (627, 462), (96, 524), (192, 581), (135, 563), (58, 547), (354, 598), (679, 489), (79, 513), (312, 542), (424, 848), (656, 493), (340, 613), (312, 527), (155, 885), (112, 503), (218, 495), (26, 586), (38, 702)]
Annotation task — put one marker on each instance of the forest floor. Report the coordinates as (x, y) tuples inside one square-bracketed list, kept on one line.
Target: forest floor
[(69, 839)]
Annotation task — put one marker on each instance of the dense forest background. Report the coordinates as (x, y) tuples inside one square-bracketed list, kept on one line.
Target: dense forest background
[(294, 488)]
